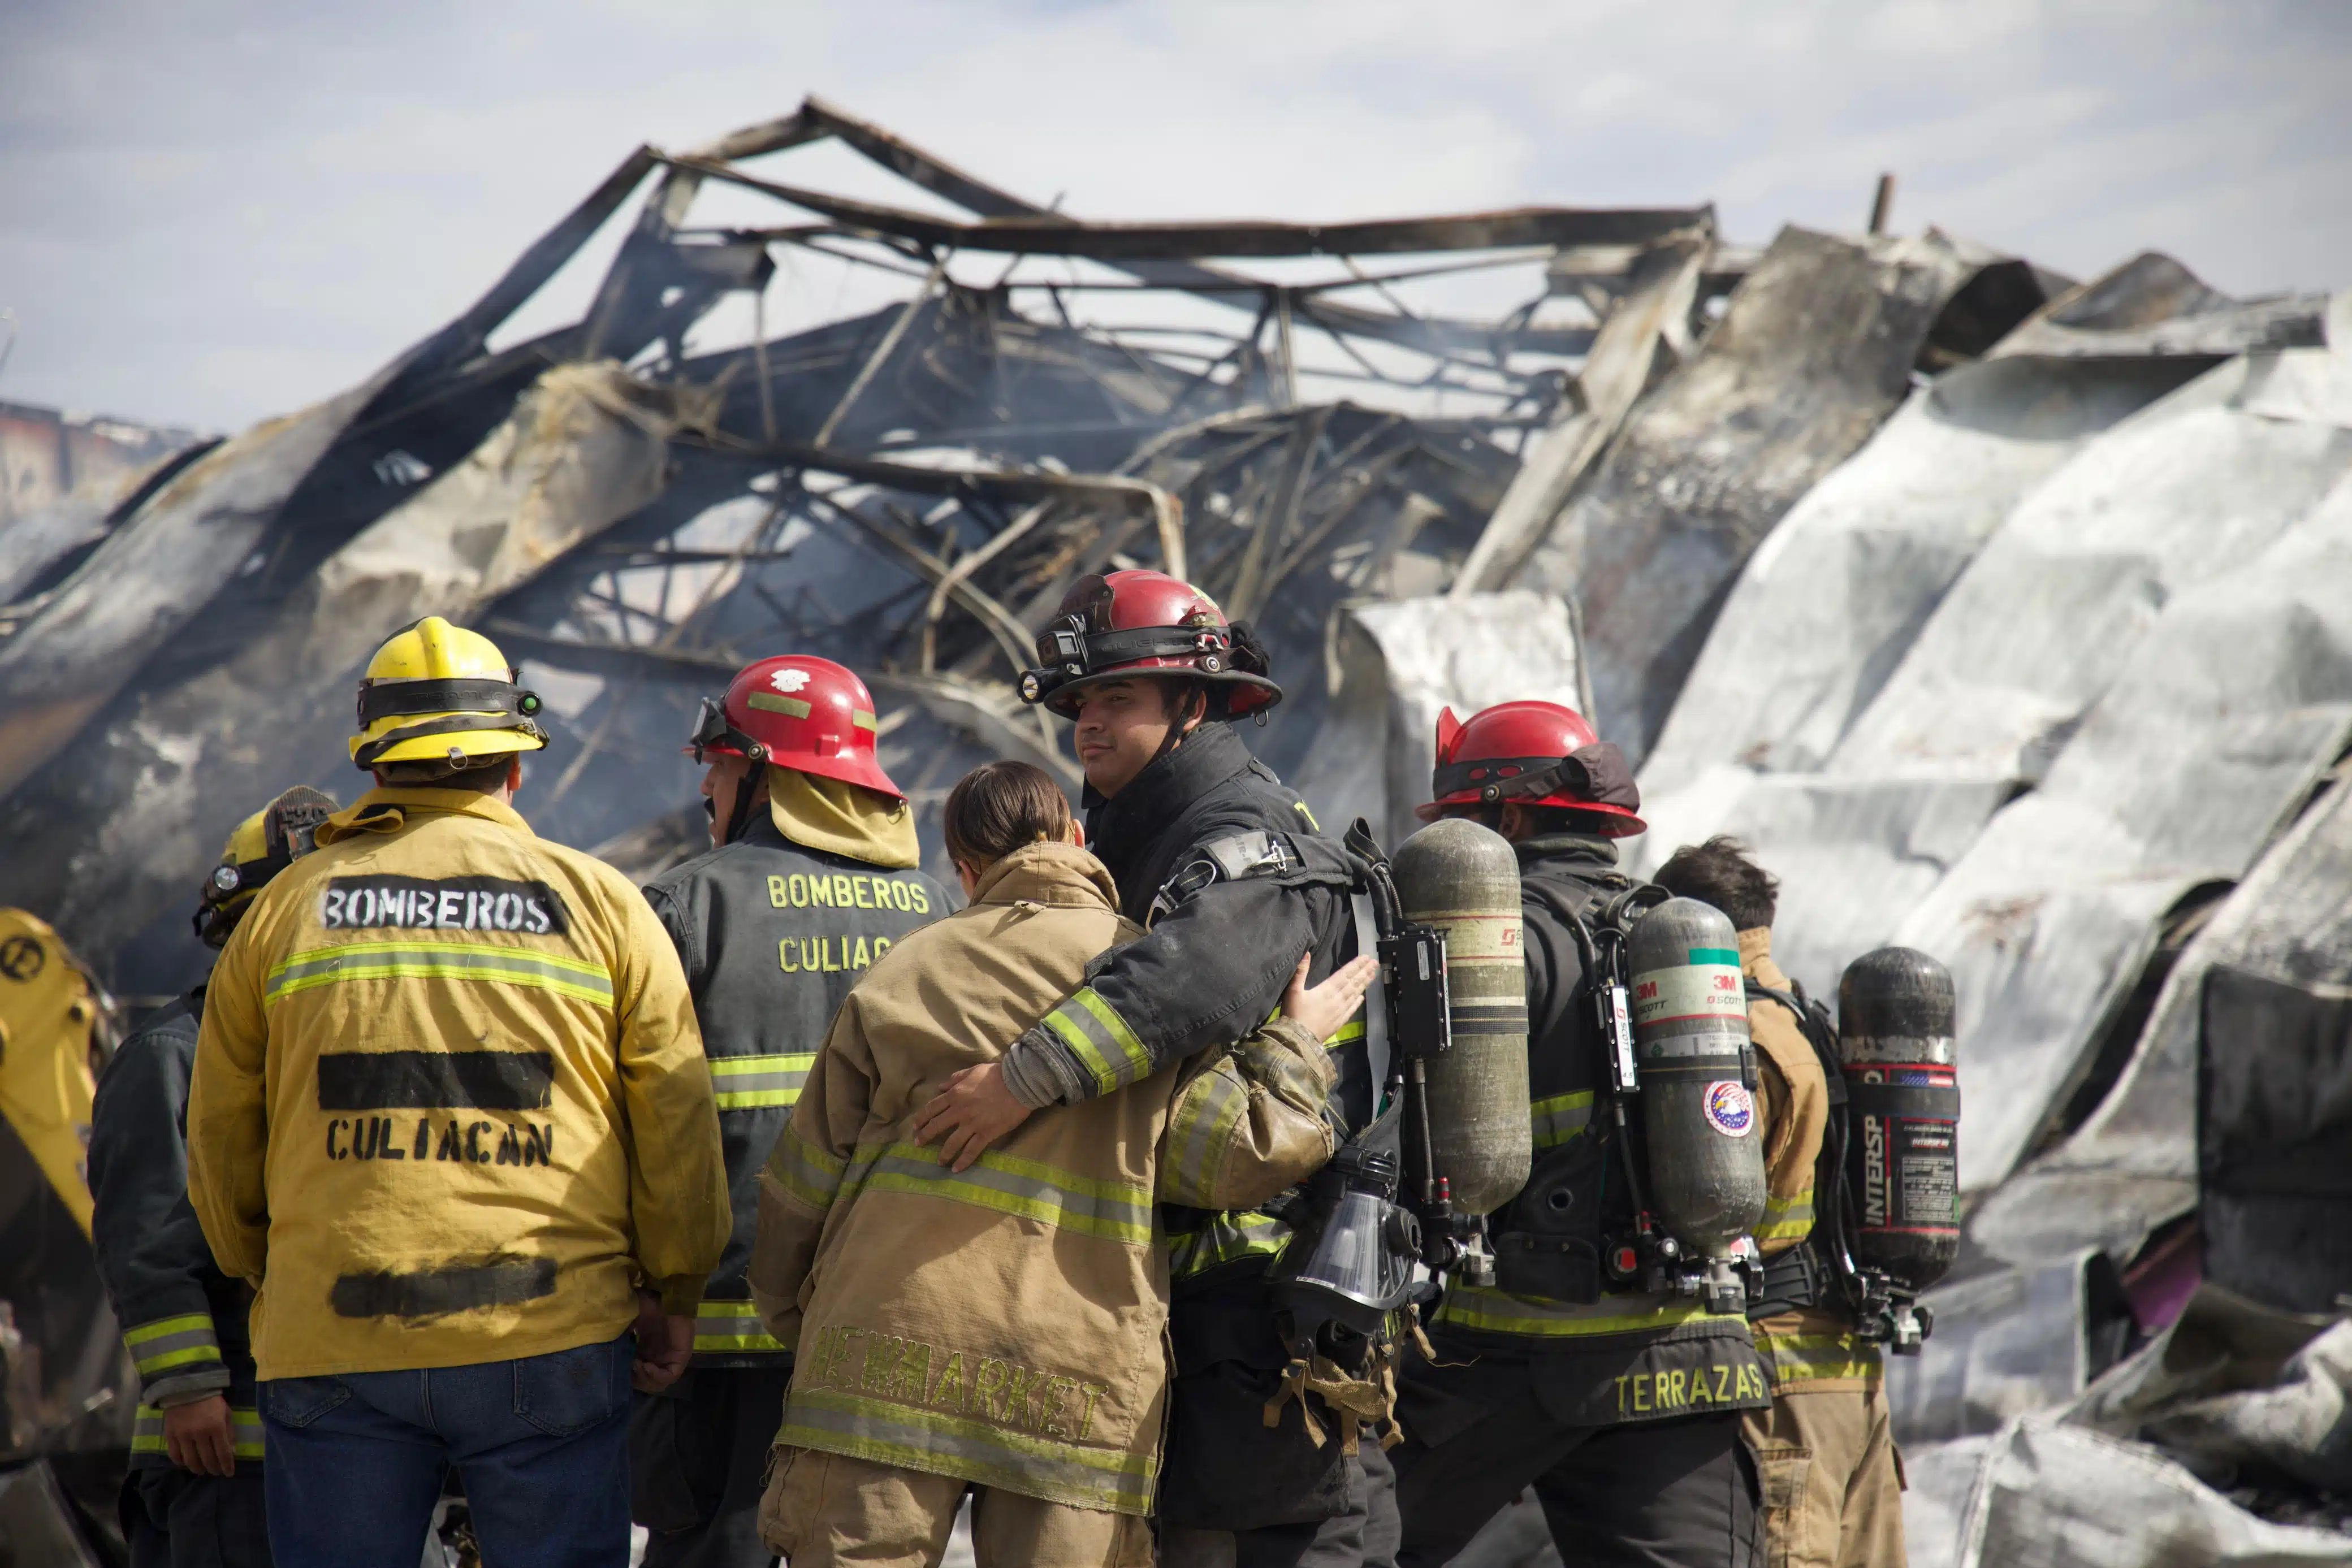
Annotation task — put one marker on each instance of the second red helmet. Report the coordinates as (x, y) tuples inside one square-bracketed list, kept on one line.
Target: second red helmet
[(1536, 754), (1138, 622), (806, 714)]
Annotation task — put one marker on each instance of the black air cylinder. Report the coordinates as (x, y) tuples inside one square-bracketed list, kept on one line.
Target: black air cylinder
[(1463, 878), (1700, 1119), (1895, 1017)]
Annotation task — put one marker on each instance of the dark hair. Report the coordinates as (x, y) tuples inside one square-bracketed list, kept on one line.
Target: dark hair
[(998, 808), (1720, 872), (431, 773)]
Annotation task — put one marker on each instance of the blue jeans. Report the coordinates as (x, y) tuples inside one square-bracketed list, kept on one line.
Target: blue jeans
[(355, 1463)]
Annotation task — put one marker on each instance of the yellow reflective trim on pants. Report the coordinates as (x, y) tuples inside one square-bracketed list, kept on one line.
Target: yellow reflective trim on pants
[(914, 1438), (1106, 1048), (1795, 1359), (1788, 1218), (747, 1083), (244, 1430), (732, 1327), (1560, 1117), (1224, 1238), (1485, 1308), (439, 961)]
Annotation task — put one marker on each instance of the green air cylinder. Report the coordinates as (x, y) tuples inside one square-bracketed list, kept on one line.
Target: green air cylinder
[(1464, 880), (1700, 1119), (1895, 1014)]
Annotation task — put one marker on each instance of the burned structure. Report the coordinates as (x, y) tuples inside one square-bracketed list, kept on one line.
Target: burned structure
[(2002, 614)]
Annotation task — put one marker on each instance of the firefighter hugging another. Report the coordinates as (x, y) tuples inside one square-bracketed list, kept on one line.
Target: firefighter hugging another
[(1099, 1201)]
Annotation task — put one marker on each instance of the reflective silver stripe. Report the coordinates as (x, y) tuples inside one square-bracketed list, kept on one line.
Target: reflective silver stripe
[(244, 1430), (746, 1083), (805, 1170), (1198, 1135), (1787, 1219), (1560, 1117), (1106, 1048), (732, 1327), (1224, 1238), (440, 961), (1496, 1312), (1029, 1189), (910, 1437), (165, 1343)]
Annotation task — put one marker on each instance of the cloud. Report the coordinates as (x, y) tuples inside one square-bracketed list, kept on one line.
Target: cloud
[(217, 212)]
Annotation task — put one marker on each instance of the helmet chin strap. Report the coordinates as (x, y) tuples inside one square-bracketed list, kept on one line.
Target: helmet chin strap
[(739, 819)]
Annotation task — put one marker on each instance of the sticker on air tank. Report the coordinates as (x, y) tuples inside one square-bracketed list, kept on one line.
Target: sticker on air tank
[(1730, 1109), (1706, 988)]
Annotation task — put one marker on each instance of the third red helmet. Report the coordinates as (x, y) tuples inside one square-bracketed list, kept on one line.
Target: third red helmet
[(806, 714), (1136, 622), (1537, 754)]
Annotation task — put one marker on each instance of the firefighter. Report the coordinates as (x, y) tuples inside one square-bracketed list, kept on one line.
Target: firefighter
[(194, 1496), (450, 1117), (1832, 1481), (1621, 1409), (67, 1386), (997, 1327), (1230, 876), (810, 879)]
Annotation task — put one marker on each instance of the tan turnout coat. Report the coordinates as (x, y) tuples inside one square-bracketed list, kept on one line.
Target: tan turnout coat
[(1005, 1325)]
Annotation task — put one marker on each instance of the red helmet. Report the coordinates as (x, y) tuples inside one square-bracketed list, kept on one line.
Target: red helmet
[(808, 715), (1538, 754), (1132, 623)]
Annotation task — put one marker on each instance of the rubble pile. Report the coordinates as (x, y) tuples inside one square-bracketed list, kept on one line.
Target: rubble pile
[(2005, 616)]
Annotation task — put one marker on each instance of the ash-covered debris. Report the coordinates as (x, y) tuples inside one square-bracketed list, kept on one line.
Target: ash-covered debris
[(2003, 616)]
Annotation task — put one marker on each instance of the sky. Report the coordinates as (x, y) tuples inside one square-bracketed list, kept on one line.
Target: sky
[(210, 214)]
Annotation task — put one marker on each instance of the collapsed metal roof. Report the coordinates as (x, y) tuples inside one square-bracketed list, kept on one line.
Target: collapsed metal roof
[(2004, 616)]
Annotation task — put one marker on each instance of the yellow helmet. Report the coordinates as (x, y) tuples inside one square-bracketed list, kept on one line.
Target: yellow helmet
[(259, 848), (438, 693)]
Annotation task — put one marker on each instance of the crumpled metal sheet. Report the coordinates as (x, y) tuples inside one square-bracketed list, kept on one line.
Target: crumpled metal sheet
[(2007, 1343), (2132, 1166), (2230, 1395), (150, 575), (1938, 1481), (2055, 1496), (2235, 700), (1837, 594), (587, 446), (1391, 667), (2153, 305), (1708, 463)]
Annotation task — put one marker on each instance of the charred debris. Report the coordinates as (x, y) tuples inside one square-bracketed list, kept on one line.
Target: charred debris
[(2047, 669)]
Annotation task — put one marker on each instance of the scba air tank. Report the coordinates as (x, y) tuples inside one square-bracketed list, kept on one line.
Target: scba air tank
[(1700, 1119), (1464, 880), (1895, 1018)]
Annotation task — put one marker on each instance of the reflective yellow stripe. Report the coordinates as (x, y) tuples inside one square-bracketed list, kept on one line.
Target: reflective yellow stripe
[(732, 1327), (439, 961), (805, 1170), (746, 1083), (1558, 1119), (1349, 1033), (1492, 1310), (1224, 1238), (161, 1343), (1027, 1189), (911, 1437), (1794, 1359), (1106, 1048), (1199, 1132), (244, 1430), (1787, 1219)]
